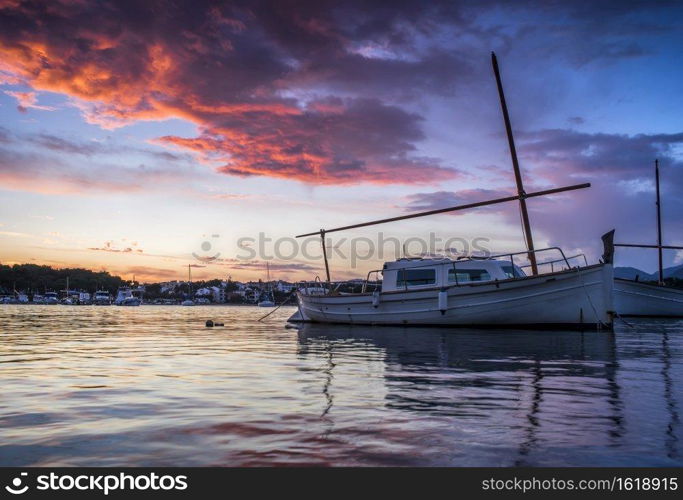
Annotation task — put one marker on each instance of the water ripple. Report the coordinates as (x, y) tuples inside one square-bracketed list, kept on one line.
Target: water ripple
[(152, 386)]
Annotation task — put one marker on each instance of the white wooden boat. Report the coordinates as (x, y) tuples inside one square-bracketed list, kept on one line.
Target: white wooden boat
[(474, 292), (634, 298), (490, 293), (125, 297)]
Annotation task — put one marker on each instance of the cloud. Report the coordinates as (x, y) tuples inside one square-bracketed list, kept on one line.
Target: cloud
[(145, 273), (260, 266), (27, 100), (420, 202), (318, 92), (233, 70), (361, 139), (110, 246), (54, 174), (16, 234), (565, 153)]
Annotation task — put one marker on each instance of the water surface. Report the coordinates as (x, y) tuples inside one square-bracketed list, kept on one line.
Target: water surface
[(151, 385)]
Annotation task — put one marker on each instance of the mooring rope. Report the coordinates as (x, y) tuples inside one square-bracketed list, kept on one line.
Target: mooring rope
[(622, 319), (293, 294)]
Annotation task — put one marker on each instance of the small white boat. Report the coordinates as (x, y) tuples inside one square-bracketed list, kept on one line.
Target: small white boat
[(125, 297), (266, 303), (51, 298), (187, 302)]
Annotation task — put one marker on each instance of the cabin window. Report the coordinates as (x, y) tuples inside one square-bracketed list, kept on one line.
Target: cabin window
[(468, 275), (415, 277), (513, 272)]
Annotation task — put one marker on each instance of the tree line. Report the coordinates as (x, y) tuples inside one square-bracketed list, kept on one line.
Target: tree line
[(32, 278)]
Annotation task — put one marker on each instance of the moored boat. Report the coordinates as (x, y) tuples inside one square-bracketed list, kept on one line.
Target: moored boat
[(125, 297), (266, 299), (188, 300), (635, 298), (473, 292), (102, 298)]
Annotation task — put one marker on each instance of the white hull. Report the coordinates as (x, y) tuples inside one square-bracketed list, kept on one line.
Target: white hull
[(130, 302), (632, 298), (563, 299)]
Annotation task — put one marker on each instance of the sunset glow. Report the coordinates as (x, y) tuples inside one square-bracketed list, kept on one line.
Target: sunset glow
[(130, 134)]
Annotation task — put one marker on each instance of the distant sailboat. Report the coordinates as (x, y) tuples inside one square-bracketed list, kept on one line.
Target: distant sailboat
[(267, 297), (634, 298), (67, 301), (188, 302)]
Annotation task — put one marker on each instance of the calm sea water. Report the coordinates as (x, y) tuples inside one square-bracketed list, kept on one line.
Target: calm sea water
[(152, 386)]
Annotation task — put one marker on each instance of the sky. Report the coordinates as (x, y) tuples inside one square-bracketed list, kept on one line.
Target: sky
[(143, 137)]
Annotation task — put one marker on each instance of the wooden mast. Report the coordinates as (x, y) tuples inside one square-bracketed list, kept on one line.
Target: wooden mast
[(515, 165), (545, 192), (322, 241), (659, 224)]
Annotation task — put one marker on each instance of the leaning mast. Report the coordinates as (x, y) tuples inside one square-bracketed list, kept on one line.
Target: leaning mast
[(515, 165)]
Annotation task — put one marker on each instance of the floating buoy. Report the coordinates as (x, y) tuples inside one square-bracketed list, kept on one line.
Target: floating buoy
[(443, 301), (209, 323)]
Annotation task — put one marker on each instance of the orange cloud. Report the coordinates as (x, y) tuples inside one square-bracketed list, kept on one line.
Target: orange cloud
[(27, 100), (226, 69)]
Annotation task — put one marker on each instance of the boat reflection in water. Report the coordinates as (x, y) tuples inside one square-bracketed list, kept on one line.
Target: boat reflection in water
[(503, 397)]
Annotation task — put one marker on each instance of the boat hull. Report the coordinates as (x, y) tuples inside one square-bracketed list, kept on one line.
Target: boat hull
[(568, 299), (632, 298)]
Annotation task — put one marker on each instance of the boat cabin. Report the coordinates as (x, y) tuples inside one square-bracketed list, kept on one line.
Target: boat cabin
[(410, 274)]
